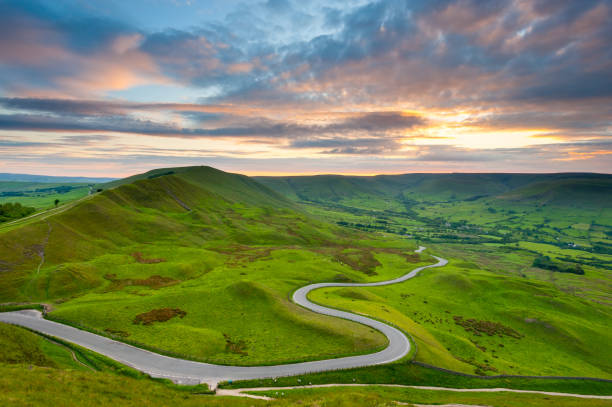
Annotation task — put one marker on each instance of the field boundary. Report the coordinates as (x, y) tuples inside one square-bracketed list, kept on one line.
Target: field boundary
[(504, 376)]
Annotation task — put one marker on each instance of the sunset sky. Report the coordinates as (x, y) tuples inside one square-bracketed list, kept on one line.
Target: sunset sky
[(113, 87)]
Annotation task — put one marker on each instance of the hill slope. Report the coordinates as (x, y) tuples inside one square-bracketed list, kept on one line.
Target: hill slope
[(434, 187), (200, 264), (204, 258), (200, 204)]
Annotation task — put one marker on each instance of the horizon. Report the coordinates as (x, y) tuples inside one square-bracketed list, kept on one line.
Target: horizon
[(279, 87), (310, 175)]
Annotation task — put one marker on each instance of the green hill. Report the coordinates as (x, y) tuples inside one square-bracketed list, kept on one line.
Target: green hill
[(591, 192), (219, 247), (433, 187), (200, 263), (200, 204)]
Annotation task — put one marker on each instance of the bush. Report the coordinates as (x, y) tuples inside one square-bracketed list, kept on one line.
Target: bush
[(10, 211)]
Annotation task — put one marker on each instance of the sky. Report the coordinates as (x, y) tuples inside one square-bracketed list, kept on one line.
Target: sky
[(275, 87)]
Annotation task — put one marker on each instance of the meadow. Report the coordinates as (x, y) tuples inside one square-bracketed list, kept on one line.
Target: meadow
[(41, 386), (42, 195), (491, 310), (201, 264), (220, 293)]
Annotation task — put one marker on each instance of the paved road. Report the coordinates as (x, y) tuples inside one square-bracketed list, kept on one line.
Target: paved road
[(190, 372)]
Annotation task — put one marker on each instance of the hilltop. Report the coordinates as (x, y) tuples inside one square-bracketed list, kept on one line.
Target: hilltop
[(200, 263), (190, 261), (197, 204)]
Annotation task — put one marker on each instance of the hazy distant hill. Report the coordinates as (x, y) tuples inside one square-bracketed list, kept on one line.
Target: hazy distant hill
[(46, 178), (561, 189)]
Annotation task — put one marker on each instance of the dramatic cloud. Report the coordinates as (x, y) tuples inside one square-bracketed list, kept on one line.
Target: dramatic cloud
[(445, 82)]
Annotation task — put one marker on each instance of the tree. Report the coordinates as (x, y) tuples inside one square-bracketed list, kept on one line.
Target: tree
[(56, 202)]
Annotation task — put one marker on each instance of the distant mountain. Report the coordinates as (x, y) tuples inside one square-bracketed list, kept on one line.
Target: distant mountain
[(9, 177), (561, 188)]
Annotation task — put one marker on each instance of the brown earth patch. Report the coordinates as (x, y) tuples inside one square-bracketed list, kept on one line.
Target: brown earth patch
[(158, 315), (138, 256), (156, 282), (116, 332), (480, 368), (241, 254), (239, 347), (360, 260), (488, 327)]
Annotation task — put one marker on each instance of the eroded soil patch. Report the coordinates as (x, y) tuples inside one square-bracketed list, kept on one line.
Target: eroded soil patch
[(158, 315), (138, 256), (116, 332), (360, 260), (239, 347), (490, 328), (155, 282)]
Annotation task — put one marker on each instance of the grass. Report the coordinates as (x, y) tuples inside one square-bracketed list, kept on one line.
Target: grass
[(222, 254), (41, 195), (262, 316), (509, 325), (39, 386), (243, 250), (407, 373), (385, 396), (492, 227)]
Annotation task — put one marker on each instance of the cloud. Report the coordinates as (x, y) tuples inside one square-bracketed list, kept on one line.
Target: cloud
[(253, 127), (327, 79), (41, 52)]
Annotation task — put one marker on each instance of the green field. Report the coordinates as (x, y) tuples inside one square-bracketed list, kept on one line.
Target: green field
[(243, 250), (36, 386), (41, 195), (198, 263), (37, 372)]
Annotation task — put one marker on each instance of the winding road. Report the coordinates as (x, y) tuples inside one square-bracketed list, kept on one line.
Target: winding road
[(189, 372)]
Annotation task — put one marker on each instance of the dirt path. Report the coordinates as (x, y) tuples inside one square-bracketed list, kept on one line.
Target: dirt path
[(43, 246), (74, 356), (242, 392)]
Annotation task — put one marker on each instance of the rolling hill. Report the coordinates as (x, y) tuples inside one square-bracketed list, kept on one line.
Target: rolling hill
[(438, 187), (199, 263), (208, 243)]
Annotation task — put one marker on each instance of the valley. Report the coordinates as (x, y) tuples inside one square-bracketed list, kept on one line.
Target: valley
[(197, 264)]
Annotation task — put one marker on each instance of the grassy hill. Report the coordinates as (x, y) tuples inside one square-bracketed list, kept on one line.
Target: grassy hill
[(432, 187), (493, 227), (581, 192), (200, 263), (440, 207), (219, 247)]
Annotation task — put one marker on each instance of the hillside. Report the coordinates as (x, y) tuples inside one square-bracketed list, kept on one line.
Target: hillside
[(200, 204), (198, 263), (219, 248), (435, 187), (566, 192), (465, 207)]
